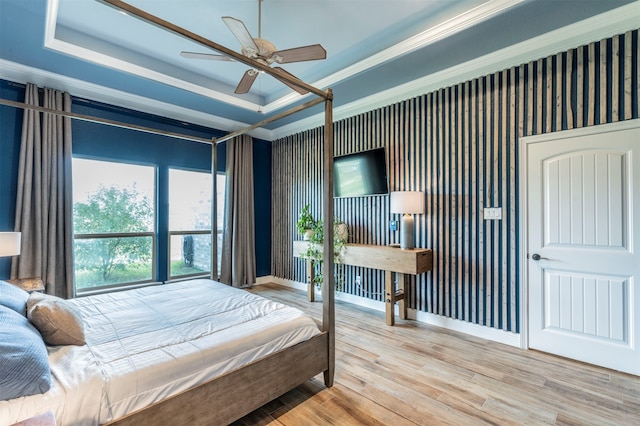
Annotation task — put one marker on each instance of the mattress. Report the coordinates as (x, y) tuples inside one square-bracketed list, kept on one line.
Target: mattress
[(146, 344)]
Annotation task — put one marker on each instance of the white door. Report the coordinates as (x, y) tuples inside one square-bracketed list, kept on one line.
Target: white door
[(583, 244)]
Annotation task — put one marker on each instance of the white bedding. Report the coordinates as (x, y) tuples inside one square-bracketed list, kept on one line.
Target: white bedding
[(146, 344)]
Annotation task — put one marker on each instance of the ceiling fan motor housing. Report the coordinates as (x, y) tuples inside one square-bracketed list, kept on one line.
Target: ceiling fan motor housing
[(264, 53)]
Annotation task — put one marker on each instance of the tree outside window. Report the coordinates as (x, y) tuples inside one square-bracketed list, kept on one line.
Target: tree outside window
[(113, 223)]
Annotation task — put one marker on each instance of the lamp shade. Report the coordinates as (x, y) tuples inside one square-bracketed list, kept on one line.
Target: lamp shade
[(9, 243), (407, 203), (410, 202)]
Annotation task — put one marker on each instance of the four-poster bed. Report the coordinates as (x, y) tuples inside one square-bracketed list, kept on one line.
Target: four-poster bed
[(238, 392)]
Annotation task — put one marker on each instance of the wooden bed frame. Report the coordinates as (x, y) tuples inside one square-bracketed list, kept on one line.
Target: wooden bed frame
[(235, 394), (239, 392)]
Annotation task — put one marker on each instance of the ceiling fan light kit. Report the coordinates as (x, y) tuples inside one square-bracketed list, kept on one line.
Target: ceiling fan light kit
[(261, 50)]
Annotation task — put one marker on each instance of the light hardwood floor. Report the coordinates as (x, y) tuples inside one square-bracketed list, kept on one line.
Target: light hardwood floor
[(414, 373)]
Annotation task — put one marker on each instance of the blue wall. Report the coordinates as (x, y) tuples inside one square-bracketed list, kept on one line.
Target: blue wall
[(92, 140), (10, 130)]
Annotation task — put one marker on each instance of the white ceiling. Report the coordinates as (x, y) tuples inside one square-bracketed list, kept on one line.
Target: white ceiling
[(374, 47)]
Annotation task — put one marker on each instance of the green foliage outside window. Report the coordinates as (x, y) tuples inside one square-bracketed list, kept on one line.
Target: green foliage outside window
[(103, 261)]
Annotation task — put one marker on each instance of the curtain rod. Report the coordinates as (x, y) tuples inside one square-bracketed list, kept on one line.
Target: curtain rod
[(129, 126), (105, 121)]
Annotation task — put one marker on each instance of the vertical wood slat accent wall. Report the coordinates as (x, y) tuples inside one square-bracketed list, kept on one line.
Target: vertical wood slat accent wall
[(460, 145)]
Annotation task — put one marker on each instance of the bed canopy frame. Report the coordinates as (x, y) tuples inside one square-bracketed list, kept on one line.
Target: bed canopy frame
[(237, 393)]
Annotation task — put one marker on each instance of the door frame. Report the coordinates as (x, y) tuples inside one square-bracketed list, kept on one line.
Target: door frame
[(524, 144)]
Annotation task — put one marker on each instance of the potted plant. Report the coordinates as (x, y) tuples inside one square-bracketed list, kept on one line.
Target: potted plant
[(340, 231), (314, 251), (306, 223)]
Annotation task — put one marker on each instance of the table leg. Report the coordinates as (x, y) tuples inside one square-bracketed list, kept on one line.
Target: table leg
[(389, 295), (311, 295), (402, 287)]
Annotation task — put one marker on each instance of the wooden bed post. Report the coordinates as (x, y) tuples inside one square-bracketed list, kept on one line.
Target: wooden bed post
[(214, 211), (328, 285)]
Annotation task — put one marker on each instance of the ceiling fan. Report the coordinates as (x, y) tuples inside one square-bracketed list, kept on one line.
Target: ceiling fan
[(262, 51)]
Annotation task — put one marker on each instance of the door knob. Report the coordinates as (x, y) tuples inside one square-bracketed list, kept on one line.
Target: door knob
[(536, 257)]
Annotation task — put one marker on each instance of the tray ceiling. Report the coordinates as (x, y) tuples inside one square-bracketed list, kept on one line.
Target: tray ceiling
[(375, 49)]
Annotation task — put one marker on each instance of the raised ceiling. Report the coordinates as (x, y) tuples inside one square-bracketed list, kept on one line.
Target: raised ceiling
[(377, 51)]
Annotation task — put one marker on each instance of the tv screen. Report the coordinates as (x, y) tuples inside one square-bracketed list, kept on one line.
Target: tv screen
[(362, 173)]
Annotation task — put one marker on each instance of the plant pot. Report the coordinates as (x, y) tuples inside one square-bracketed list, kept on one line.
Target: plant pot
[(341, 231), (307, 235)]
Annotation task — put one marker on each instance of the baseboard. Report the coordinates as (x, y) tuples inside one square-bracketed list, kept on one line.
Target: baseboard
[(476, 330), (488, 333), (265, 280)]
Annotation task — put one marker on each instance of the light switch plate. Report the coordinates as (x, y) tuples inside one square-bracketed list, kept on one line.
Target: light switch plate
[(492, 213)]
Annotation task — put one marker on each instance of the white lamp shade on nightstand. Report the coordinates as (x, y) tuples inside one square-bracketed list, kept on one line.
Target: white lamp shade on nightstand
[(407, 203), (9, 243)]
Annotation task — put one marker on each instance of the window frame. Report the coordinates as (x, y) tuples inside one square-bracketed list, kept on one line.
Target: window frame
[(219, 229), (83, 291), (174, 278), (170, 233)]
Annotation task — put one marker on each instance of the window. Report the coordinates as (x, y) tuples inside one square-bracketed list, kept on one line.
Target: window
[(114, 222), (221, 181), (189, 223)]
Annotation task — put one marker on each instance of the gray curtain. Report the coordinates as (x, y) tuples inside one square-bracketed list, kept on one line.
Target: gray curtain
[(44, 201), (238, 237)]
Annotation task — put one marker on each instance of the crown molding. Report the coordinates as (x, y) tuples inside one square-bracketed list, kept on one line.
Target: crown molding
[(19, 73), (617, 21), (432, 35), (592, 29), (70, 49), (438, 32), (425, 38)]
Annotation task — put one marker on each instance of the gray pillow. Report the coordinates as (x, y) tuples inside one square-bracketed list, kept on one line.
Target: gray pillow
[(57, 320), (24, 366), (13, 297)]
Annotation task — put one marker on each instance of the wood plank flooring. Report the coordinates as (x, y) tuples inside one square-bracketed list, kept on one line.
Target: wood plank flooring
[(416, 374)]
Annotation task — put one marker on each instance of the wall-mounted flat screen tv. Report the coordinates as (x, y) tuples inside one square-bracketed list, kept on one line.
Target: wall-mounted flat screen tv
[(361, 173)]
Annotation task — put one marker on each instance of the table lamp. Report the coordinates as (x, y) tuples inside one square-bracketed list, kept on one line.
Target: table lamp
[(407, 203), (9, 243)]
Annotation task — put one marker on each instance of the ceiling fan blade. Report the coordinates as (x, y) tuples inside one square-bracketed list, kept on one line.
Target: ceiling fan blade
[(300, 54), (209, 56), (240, 31), (294, 87), (246, 81)]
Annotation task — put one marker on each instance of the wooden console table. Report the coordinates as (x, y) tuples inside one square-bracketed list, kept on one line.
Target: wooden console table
[(392, 260)]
